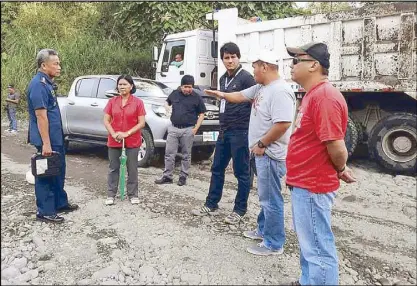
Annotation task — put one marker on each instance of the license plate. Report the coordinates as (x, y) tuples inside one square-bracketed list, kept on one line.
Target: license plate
[(210, 136)]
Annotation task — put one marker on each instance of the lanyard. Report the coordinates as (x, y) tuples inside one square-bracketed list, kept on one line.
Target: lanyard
[(226, 84)]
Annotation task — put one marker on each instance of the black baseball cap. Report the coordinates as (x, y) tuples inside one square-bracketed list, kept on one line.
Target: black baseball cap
[(317, 51)]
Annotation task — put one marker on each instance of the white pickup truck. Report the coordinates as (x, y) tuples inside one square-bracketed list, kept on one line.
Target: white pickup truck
[(82, 116), (373, 63)]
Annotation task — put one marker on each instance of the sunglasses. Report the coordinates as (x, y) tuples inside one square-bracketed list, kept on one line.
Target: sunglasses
[(297, 60)]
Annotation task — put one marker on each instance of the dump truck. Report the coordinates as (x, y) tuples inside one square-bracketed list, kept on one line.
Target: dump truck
[(373, 64)]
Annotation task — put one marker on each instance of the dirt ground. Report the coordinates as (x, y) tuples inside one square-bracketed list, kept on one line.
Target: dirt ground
[(160, 242)]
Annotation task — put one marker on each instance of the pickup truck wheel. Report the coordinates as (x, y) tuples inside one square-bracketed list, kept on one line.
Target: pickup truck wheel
[(393, 142), (351, 137), (201, 153), (146, 150)]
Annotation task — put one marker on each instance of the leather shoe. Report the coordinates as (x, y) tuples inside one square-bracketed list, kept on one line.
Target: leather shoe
[(68, 208), (182, 181), (163, 180)]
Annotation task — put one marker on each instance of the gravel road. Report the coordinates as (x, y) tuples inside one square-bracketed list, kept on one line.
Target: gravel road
[(159, 242)]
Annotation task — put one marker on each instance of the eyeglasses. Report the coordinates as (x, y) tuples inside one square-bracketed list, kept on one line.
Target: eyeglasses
[(297, 60)]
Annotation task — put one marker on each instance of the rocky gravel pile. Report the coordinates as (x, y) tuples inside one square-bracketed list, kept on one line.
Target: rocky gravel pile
[(158, 242)]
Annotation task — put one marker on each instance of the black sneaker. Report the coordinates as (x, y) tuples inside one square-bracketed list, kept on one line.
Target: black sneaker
[(163, 180), (67, 209), (50, 218), (182, 181)]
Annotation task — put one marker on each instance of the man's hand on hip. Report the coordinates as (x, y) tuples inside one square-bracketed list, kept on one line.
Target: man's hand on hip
[(257, 150)]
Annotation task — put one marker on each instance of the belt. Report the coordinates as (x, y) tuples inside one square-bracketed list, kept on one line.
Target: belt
[(182, 126)]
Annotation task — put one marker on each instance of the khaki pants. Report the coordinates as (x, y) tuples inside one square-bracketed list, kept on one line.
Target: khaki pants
[(183, 138)]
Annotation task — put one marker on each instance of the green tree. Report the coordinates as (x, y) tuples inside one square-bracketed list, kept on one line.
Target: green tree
[(329, 7), (172, 17), (70, 28)]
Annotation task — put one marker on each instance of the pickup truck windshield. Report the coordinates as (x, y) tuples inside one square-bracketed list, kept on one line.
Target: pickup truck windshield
[(150, 89)]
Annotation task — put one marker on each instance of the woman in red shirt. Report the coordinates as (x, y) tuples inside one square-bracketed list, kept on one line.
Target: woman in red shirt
[(124, 118)]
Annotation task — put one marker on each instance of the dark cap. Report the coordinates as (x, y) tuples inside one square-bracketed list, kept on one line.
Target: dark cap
[(187, 80), (317, 51), (10, 86)]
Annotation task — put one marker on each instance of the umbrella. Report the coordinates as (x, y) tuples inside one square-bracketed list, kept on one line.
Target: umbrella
[(122, 177)]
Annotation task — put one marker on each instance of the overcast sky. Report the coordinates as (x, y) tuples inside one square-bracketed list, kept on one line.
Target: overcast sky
[(301, 4)]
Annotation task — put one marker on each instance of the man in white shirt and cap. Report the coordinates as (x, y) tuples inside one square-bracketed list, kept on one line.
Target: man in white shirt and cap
[(272, 114)]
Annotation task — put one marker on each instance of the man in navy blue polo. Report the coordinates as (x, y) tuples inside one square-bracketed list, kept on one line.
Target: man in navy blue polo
[(46, 134), (232, 142)]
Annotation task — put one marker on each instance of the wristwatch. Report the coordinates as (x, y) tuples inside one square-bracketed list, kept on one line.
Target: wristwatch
[(341, 171), (261, 145)]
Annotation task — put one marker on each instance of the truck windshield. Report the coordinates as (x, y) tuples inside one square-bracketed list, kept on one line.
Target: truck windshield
[(149, 89)]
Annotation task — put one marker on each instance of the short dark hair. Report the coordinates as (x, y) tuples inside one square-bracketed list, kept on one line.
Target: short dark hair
[(187, 80), (324, 71), (129, 79), (230, 48)]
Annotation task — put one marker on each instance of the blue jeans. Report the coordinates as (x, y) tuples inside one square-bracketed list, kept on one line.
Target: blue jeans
[(230, 144), (11, 114), (49, 191), (271, 215), (312, 223)]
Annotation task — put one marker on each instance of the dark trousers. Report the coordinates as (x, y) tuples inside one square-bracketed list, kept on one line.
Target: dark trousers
[(49, 191), (232, 144), (132, 185)]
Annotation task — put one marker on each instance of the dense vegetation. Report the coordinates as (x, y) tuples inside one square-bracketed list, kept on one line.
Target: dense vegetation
[(103, 37)]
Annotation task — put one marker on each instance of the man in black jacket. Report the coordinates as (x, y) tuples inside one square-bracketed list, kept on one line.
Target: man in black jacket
[(187, 115), (232, 142)]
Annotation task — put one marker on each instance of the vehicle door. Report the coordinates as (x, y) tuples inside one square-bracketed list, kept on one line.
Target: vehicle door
[(171, 74), (81, 105), (97, 114)]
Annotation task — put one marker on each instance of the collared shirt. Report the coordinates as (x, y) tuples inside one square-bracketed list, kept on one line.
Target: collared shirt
[(235, 116), (322, 117), (125, 118), (176, 64), (185, 108), (41, 95)]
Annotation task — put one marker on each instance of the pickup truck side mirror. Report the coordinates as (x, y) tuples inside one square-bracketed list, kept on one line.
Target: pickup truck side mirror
[(111, 93), (165, 67)]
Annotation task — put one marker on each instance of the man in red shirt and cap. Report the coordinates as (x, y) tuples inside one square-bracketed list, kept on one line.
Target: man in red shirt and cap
[(316, 162)]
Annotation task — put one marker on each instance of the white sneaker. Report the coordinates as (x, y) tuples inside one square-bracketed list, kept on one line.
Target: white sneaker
[(13, 132), (134, 201), (109, 201)]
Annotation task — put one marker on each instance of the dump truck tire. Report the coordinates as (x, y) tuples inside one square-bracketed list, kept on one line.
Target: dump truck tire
[(392, 142)]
